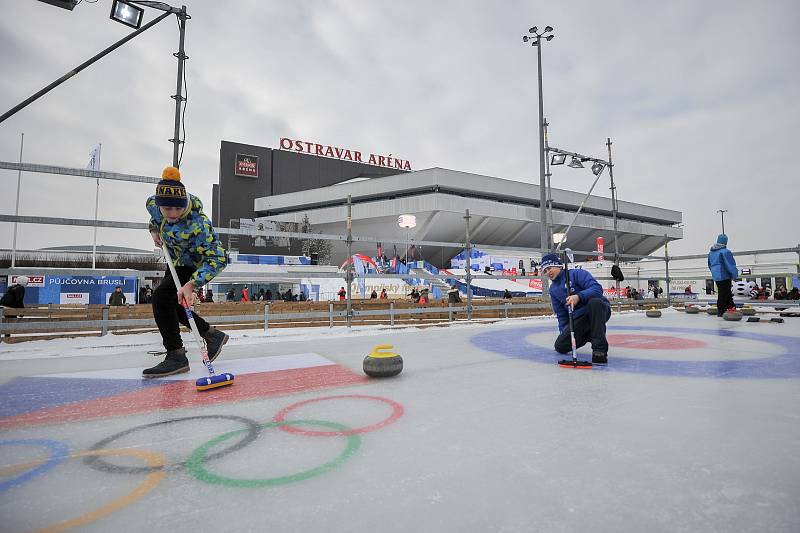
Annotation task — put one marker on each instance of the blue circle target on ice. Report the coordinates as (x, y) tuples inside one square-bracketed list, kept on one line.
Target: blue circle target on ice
[(716, 353)]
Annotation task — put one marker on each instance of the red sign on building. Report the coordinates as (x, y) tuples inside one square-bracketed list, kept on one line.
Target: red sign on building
[(345, 154), (246, 165)]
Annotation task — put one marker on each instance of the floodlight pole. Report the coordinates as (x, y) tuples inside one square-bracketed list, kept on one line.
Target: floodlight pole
[(722, 214), (547, 175), (178, 96), (613, 207), (16, 209), (544, 237), (80, 67), (468, 264), (542, 185), (349, 271)]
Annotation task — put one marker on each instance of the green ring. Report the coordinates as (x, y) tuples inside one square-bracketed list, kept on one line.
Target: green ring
[(195, 464)]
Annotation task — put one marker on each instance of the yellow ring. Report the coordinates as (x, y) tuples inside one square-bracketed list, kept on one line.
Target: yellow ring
[(148, 484)]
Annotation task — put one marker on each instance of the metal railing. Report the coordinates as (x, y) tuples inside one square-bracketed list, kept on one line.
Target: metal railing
[(105, 325)]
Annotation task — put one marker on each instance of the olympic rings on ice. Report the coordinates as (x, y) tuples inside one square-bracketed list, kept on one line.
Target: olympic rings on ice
[(58, 452), (397, 412), (156, 468), (196, 466), (95, 461)]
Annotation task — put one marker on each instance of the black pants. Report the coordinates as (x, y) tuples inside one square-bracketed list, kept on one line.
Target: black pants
[(169, 313), (724, 296), (589, 327)]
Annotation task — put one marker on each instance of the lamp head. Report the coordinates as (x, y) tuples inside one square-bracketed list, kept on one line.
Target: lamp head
[(548, 29), (532, 30), (524, 38), (549, 37), (576, 162)]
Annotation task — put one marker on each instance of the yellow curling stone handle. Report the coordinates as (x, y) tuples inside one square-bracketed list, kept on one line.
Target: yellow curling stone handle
[(377, 353)]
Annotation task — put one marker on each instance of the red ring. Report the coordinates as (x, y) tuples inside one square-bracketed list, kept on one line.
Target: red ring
[(652, 342), (397, 412)]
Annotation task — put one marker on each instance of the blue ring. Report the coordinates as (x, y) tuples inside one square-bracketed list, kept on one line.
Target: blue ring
[(58, 452), (786, 365)]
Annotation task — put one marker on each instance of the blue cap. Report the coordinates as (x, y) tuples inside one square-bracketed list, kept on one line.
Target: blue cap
[(551, 260), (722, 239)]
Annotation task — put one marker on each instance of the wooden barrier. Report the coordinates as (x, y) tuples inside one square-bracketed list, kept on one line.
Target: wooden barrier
[(50, 315)]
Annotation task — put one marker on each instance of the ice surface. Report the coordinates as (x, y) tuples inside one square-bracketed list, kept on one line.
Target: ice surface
[(482, 431)]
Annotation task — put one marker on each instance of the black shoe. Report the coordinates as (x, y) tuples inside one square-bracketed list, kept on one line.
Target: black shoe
[(175, 363), (215, 339), (599, 358)]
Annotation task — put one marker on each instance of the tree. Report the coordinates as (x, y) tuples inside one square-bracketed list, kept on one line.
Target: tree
[(321, 247)]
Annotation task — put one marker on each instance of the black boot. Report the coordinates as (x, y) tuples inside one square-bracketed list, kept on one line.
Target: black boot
[(599, 358), (214, 341), (175, 363)]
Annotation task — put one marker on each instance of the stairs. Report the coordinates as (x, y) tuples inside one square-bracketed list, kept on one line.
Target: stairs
[(428, 277)]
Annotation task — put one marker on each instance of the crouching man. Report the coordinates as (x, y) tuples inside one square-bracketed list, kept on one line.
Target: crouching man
[(590, 309)]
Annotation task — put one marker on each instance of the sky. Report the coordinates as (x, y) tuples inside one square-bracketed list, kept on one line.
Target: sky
[(699, 99)]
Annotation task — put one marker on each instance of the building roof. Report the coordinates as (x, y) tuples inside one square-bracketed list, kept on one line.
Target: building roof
[(464, 184), (503, 213)]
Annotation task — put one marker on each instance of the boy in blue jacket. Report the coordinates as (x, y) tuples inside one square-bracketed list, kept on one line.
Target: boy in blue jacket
[(177, 219), (723, 269), (590, 309)]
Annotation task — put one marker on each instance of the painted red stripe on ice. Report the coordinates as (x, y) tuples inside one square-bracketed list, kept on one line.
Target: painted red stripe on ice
[(177, 394)]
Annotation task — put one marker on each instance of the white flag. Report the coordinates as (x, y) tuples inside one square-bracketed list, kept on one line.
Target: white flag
[(94, 159)]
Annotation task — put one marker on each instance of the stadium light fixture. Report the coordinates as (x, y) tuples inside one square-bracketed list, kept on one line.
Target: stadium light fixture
[(597, 168), (558, 159), (69, 5), (559, 238), (575, 163), (126, 13)]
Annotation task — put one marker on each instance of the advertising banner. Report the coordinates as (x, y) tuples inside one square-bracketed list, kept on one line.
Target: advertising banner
[(33, 281), (75, 289), (246, 166), (74, 298)]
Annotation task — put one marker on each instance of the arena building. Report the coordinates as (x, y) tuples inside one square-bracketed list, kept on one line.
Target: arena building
[(275, 187)]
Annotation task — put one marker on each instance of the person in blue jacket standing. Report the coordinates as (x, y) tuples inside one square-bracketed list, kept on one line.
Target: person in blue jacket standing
[(723, 269), (590, 309)]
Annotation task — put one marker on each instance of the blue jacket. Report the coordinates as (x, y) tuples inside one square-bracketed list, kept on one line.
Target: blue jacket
[(721, 263), (191, 240), (581, 283)]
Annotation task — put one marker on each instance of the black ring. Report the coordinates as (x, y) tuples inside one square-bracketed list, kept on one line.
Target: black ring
[(98, 463)]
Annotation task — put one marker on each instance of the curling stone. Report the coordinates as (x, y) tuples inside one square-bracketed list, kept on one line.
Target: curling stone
[(653, 313), (748, 311), (732, 316), (754, 319), (692, 310), (382, 363), (712, 310)]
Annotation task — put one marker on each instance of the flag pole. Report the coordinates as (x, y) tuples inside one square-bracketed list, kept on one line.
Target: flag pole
[(16, 210), (96, 205)]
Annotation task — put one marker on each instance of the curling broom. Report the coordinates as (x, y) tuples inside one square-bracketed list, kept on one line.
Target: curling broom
[(213, 380), (574, 362)]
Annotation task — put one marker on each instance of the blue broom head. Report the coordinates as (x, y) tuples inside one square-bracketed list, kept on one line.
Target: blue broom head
[(213, 382)]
